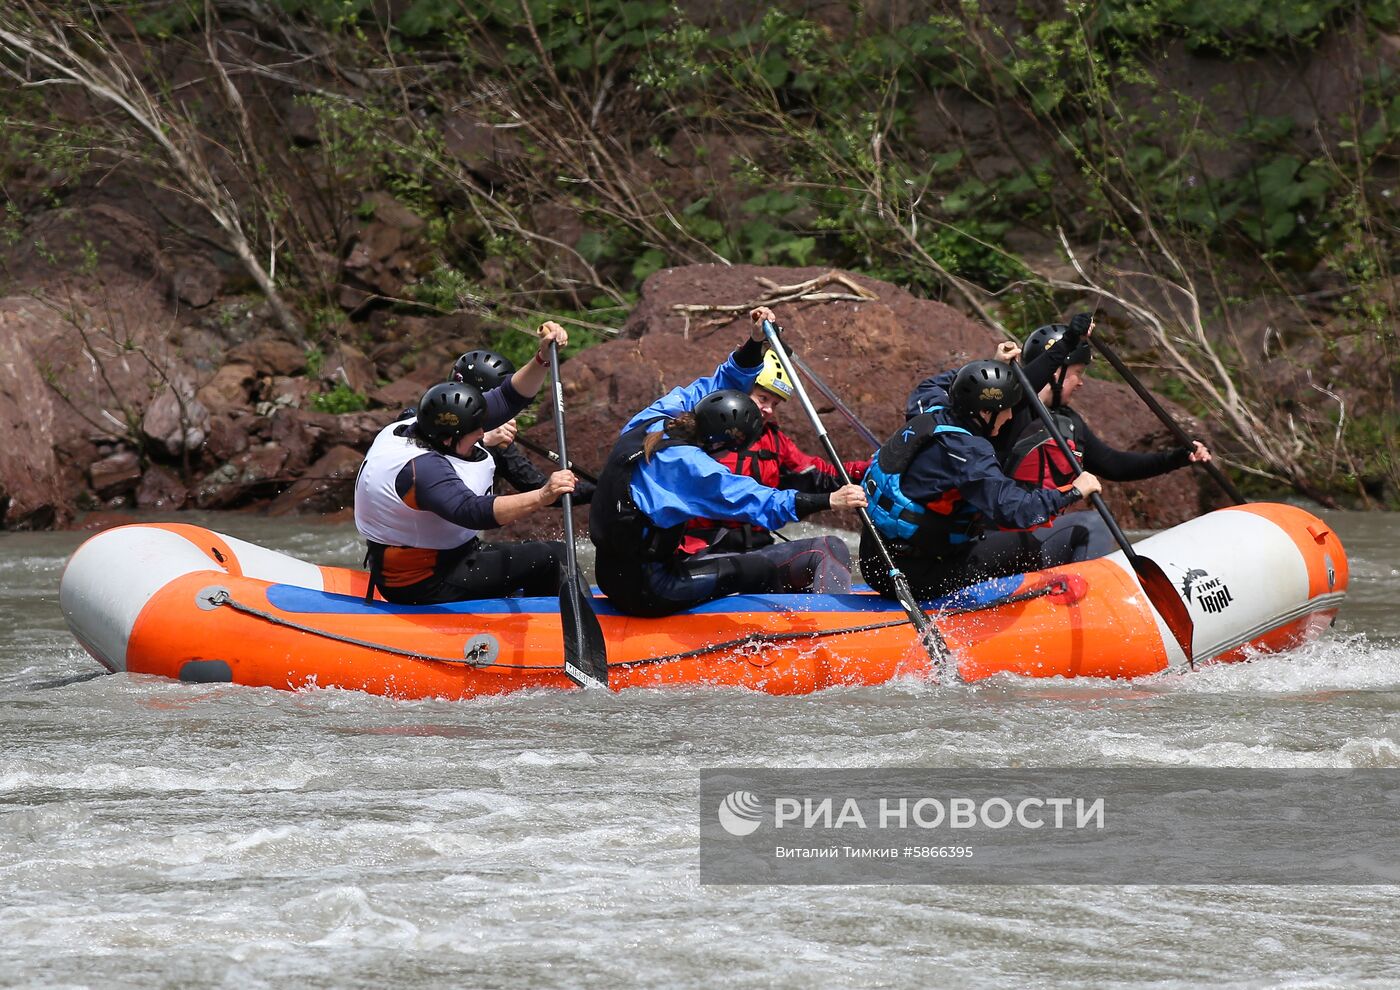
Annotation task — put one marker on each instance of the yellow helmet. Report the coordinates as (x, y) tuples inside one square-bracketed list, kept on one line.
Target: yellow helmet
[(773, 378)]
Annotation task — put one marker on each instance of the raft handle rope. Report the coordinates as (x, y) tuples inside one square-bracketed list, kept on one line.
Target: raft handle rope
[(471, 659), (478, 657)]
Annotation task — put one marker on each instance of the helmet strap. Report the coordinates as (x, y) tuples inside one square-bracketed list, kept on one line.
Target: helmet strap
[(1057, 384)]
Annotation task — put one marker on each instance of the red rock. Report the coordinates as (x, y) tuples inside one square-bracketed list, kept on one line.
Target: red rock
[(326, 486), (255, 473), (302, 123), (228, 437), (390, 212), (400, 394), (161, 489), (196, 281), (115, 473), (282, 391), (348, 364), (59, 242), (62, 389), (478, 145), (299, 438), (270, 356), (230, 388), (356, 430), (29, 489), (175, 424)]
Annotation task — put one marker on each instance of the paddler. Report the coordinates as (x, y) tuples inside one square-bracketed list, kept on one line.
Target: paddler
[(773, 459), (662, 473), (425, 493), (937, 491), (1033, 459)]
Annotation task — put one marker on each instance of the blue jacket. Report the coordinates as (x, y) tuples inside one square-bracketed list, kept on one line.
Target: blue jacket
[(967, 464), (682, 482)]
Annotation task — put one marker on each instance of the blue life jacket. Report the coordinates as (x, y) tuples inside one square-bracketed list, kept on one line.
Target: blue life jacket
[(934, 528), (616, 525)]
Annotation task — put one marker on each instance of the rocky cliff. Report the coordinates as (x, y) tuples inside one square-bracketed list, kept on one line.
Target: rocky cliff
[(118, 394)]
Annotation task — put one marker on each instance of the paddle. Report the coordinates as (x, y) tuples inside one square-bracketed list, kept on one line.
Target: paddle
[(1153, 579), (546, 452), (1170, 423), (929, 635), (585, 651), (836, 402)]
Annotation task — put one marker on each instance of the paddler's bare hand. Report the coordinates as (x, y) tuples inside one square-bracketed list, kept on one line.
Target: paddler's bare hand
[(558, 483), (549, 330), (848, 497), (1007, 351), (501, 436), (758, 314), (1086, 484), (1200, 453)]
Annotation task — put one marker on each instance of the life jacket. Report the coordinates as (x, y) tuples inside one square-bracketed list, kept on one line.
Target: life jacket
[(934, 527), (1037, 461), (382, 517), (386, 521), (617, 527), (758, 461)]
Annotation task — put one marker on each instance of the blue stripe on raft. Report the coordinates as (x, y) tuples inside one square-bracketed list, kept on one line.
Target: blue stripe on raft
[(293, 599)]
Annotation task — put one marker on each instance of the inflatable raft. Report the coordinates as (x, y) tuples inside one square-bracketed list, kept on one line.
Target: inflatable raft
[(187, 603)]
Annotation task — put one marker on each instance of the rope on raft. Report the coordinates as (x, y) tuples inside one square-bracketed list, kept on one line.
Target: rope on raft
[(473, 659)]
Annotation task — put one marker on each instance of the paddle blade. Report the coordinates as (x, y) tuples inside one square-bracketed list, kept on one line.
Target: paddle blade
[(929, 635), (1164, 598), (585, 651)]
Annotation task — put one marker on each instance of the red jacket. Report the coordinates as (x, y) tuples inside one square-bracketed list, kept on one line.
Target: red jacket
[(772, 460)]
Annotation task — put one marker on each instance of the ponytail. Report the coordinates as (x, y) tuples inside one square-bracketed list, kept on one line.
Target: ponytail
[(681, 428)]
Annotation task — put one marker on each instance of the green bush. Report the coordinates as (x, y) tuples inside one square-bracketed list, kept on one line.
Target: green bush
[(340, 399)]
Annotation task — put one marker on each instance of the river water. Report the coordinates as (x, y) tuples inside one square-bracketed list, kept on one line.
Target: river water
[(158, 834)]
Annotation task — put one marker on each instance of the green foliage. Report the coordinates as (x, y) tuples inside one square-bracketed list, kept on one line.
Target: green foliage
[(446, 289), (162, 20), (340, 399), (1224, 27)]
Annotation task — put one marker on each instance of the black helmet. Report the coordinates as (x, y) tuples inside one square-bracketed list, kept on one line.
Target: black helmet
[(449, 411), (727, 420), (984, 386), (1044, 338), (484, 369)]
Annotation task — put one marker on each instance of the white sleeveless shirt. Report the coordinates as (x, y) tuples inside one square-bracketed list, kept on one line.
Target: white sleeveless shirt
[(383, 517)]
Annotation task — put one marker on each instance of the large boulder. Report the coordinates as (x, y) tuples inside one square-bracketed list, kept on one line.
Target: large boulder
[(79, 375), (31, 494), (871, 343)]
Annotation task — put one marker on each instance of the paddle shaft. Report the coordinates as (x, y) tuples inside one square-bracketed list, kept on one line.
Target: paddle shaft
[(570, 556), (929, 634), (596, 671), (546, 452), (1096, 500), (835, 401), (1169, 421)]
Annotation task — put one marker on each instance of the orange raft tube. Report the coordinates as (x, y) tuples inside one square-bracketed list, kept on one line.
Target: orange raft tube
[(187, 603)]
